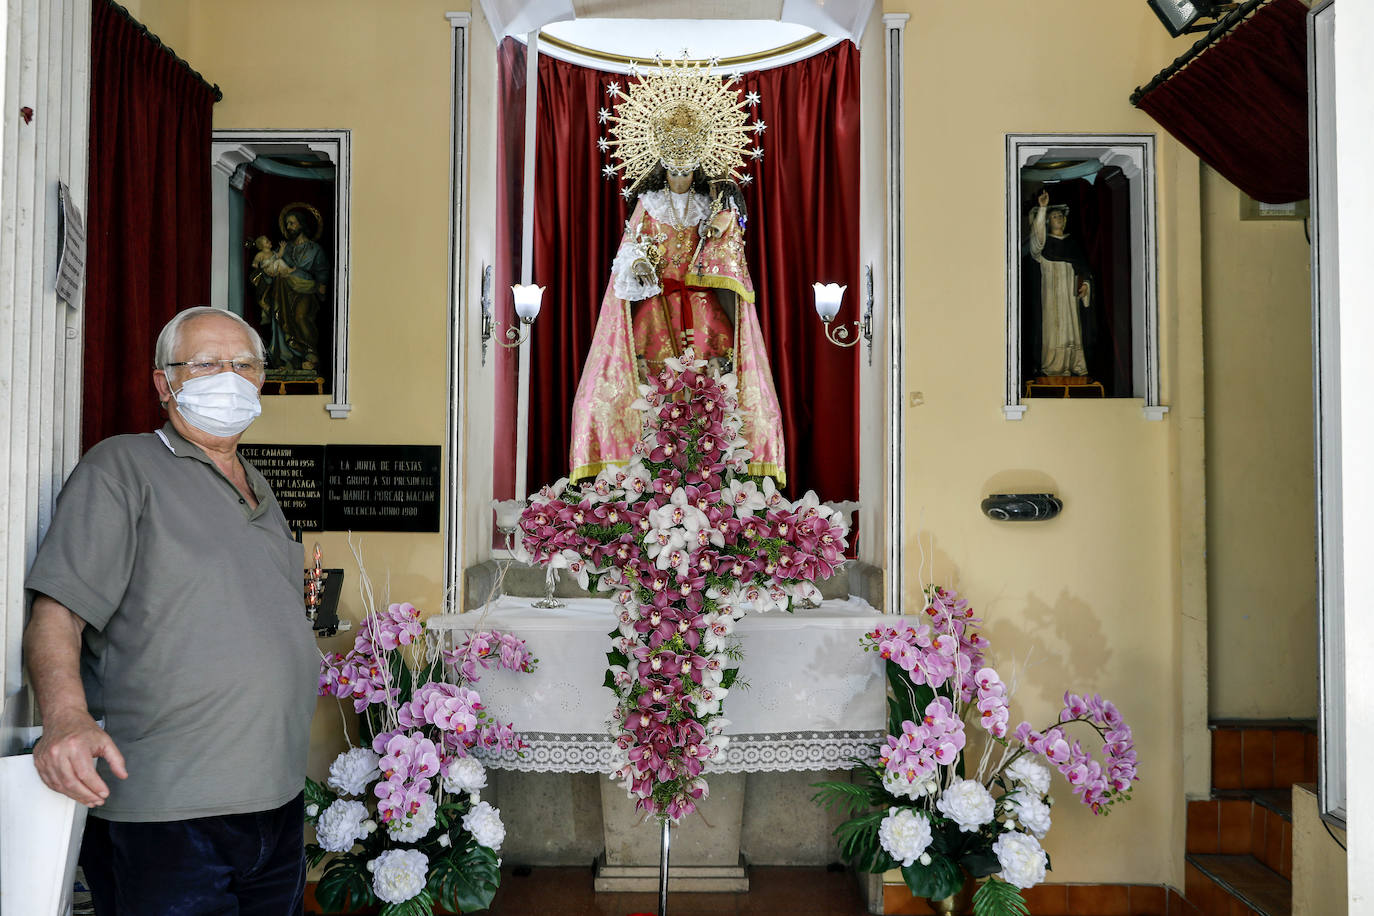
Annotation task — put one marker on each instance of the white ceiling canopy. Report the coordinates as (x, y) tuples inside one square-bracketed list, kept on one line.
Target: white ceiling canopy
[(608, 44), (649, 26)]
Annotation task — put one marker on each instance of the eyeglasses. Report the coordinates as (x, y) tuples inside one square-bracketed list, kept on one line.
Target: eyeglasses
[(249, 366)]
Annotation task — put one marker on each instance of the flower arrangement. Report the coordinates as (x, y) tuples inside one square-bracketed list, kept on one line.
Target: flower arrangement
[(939, 818), (687, 542), (403, 814)]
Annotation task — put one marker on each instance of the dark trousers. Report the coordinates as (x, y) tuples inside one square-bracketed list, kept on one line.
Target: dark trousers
[(239, 864)]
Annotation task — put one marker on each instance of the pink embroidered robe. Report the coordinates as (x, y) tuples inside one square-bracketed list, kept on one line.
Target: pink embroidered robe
[(605, 427)]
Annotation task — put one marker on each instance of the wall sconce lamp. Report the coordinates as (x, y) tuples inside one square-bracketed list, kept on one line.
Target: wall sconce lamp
[(828, 299), (527, 302)]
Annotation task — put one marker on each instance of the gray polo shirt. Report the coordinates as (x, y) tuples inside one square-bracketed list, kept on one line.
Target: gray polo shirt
[(197, 650)]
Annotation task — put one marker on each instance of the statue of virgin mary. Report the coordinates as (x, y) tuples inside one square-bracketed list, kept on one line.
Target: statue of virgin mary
[(679, 277)]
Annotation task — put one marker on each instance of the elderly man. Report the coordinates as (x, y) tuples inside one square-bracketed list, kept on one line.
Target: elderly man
[(168, 600)]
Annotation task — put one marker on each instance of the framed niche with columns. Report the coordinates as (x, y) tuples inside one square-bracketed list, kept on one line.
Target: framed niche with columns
[(500, 415), (1082, 311), (280, 250)]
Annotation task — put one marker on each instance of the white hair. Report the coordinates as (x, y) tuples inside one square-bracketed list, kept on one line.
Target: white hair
[(170, 337)]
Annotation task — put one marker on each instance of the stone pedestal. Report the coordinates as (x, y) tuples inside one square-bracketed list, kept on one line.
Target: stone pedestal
[(704, 855)]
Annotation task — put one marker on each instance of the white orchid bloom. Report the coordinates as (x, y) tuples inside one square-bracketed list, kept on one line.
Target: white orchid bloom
[(580, 569), (612, 579), (715, 636), (549, 492), (624, 680), (745, 498), (637, 482), (706, 701), (675, 558), (771, 497), (660, 541)]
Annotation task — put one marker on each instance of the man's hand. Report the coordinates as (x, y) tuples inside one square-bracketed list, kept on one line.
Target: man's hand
[(1044, 199), (65, 757)]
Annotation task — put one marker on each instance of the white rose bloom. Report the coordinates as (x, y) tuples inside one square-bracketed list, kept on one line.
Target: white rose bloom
[(352, 770), (1030, 773), (899, 785), (398, 874), (904, 834), (1022, 859), (464, 774), (1033, 814), (968, 804), (412, 827), (341, 825), (484, 823)]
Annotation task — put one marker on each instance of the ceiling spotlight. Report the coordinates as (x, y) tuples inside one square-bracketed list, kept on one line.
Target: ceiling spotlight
[(1182, 16)]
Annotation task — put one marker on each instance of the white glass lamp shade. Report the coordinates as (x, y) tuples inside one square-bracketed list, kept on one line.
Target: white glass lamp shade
[(527, 299), (828, 297), (507, 513)]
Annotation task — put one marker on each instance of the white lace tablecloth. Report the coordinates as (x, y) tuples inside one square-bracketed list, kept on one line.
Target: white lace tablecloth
[(813, 700)]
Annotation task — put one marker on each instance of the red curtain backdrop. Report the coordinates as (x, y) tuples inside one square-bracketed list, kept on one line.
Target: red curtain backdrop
[(803, 228), (148, 216), (1241, 105)]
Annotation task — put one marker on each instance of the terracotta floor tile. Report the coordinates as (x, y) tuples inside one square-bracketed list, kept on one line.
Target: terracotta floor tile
[(1290, 751), (1273, 840), (1234, 825), (1179, 906), (1047, 899), (1257, 758), (1203, 818), (1258, 822), (1099, 900), (1148, 900), (1226, 758)]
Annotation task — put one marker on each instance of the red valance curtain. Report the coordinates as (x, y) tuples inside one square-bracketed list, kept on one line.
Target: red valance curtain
[(803, 227), (1241, 104), (148, 216)]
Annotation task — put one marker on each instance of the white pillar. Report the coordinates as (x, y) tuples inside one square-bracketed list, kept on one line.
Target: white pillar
[(1355, 222), (46, 56)]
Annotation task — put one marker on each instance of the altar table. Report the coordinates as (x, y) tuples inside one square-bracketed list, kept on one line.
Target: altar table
[(808, 697)]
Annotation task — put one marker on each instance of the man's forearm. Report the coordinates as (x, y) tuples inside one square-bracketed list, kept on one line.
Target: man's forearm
[(52, 653)]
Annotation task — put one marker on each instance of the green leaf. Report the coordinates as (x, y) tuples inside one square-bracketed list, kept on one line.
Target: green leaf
[(314, 854), (344, 884), (858, 839), (980, 863), (998, 898), (466, 880), (317, 794), (422, 904), (851, 799), (937, 880)]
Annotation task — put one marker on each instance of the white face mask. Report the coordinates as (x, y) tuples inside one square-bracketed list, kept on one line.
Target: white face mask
[(223, 404)]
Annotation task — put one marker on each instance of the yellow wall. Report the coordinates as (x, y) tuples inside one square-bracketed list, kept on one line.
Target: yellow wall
[(1100, 596), (1110, 596), (1319, 862), (1261, 597)]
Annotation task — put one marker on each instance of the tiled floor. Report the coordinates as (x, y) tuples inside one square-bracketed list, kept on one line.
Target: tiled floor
[(772, 892)]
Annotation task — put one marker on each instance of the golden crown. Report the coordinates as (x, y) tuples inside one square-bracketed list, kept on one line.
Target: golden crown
[(681, 115)]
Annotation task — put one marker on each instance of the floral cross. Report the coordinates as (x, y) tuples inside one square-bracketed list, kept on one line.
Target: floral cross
[(687, 542)]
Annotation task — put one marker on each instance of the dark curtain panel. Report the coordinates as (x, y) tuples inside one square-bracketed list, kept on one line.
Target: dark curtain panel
[(510, 196), (803, 228), (1241, 105), (148, 216)]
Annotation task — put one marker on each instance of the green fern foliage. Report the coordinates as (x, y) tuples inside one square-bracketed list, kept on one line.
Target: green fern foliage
[(998, 898)]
